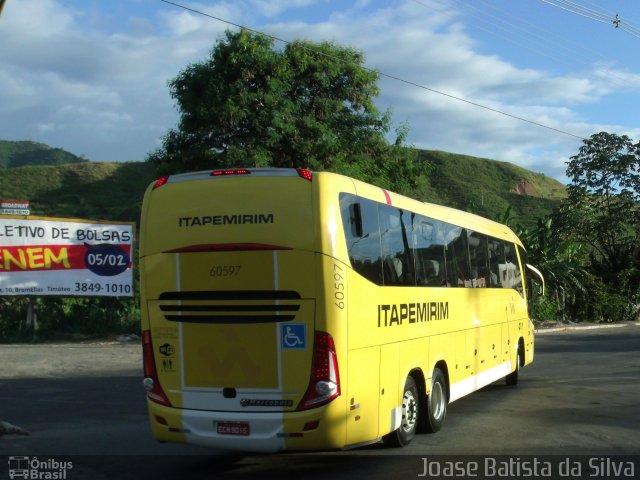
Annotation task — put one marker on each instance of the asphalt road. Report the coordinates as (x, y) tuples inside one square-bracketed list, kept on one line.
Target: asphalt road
[(580, 397)]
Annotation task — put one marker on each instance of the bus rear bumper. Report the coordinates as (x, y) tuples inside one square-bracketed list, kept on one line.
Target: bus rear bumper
[(242, 431), (253, 432)]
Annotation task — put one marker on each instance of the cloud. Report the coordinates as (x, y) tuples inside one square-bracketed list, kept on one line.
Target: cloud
[(432, 52), (103, 94), (271, 9), (103, 91)]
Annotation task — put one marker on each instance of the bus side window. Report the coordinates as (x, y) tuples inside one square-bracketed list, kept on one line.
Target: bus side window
[(526, 278), (429, 252), (513, 268), (478, 260), (397, 246), (458, 271), (363, 240), (496, 259)]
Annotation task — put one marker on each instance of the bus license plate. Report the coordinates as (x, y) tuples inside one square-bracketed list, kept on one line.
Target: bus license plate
[(232, 428)]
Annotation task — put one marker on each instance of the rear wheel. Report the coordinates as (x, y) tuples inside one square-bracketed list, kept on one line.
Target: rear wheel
[(512, 378), (436, 402), (409, 423)]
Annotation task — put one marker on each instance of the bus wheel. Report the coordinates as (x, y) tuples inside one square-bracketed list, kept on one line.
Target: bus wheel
[(512, 378), (436, 402), (403, 435)]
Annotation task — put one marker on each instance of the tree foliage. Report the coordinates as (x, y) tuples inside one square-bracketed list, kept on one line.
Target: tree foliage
[(561, 262), (602, 209), (307, 105), (589, 249), (602, 212)]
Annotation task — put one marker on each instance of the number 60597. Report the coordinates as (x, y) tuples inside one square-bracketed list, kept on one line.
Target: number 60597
[(338, 285)]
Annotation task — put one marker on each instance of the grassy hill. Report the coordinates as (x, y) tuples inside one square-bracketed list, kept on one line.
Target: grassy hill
[(19, 154), (489, 187), (113, 191), (101, 191)]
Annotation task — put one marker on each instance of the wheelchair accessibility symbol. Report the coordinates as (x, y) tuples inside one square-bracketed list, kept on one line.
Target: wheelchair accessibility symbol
[(293, 336)]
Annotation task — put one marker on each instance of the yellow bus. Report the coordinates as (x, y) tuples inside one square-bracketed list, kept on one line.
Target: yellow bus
[(289, 309)]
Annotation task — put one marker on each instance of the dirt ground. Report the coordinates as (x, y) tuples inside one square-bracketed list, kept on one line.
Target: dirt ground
[(70, 359)]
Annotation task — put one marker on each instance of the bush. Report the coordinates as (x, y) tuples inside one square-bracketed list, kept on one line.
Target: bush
[(546, 309), (614, 307), (68, 318)]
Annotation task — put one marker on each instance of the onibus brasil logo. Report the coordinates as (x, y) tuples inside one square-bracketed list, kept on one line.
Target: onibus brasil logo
[(33, 468)]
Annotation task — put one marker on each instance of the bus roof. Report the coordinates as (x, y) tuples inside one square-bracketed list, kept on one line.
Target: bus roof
[(438, 212)]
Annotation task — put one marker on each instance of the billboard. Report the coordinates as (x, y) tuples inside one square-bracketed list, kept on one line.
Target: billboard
[(14, 207), (65, 257)]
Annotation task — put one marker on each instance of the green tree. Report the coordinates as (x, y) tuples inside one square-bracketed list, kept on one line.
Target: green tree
[(306, 105), (562, 263), (602, 211)]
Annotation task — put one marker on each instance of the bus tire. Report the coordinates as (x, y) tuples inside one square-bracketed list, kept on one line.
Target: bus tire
[(512, 378), (436, 402), (409, 423)]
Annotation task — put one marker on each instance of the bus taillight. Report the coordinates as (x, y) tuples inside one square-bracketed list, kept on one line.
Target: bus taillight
[(230, 171), (304, 173), (161, 181), (151, 382), (325, 376)]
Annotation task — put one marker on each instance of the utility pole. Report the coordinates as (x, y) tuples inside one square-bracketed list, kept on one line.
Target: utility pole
[(2, 2)]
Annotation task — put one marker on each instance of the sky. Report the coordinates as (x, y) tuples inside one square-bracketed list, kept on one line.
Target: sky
[(91, 76)]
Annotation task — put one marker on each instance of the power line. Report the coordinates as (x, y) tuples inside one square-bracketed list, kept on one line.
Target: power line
[(503, 25), (543, 35), (508, 30), (535, 36), (615, 20), (378, 72), (632, 30), (579, 9), (583, 13), (585, 10), (595, 6)]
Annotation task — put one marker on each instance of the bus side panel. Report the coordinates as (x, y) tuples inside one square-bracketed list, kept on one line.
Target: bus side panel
[(481, 342), (529, 345), (505, 352), (329, 434), (490, 309), (331, 280), (520, 327), (528, 336), (363, 368), (444, 348), (482, 355), (390, 414), (414, 355), (362, 395), (457, 368)]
